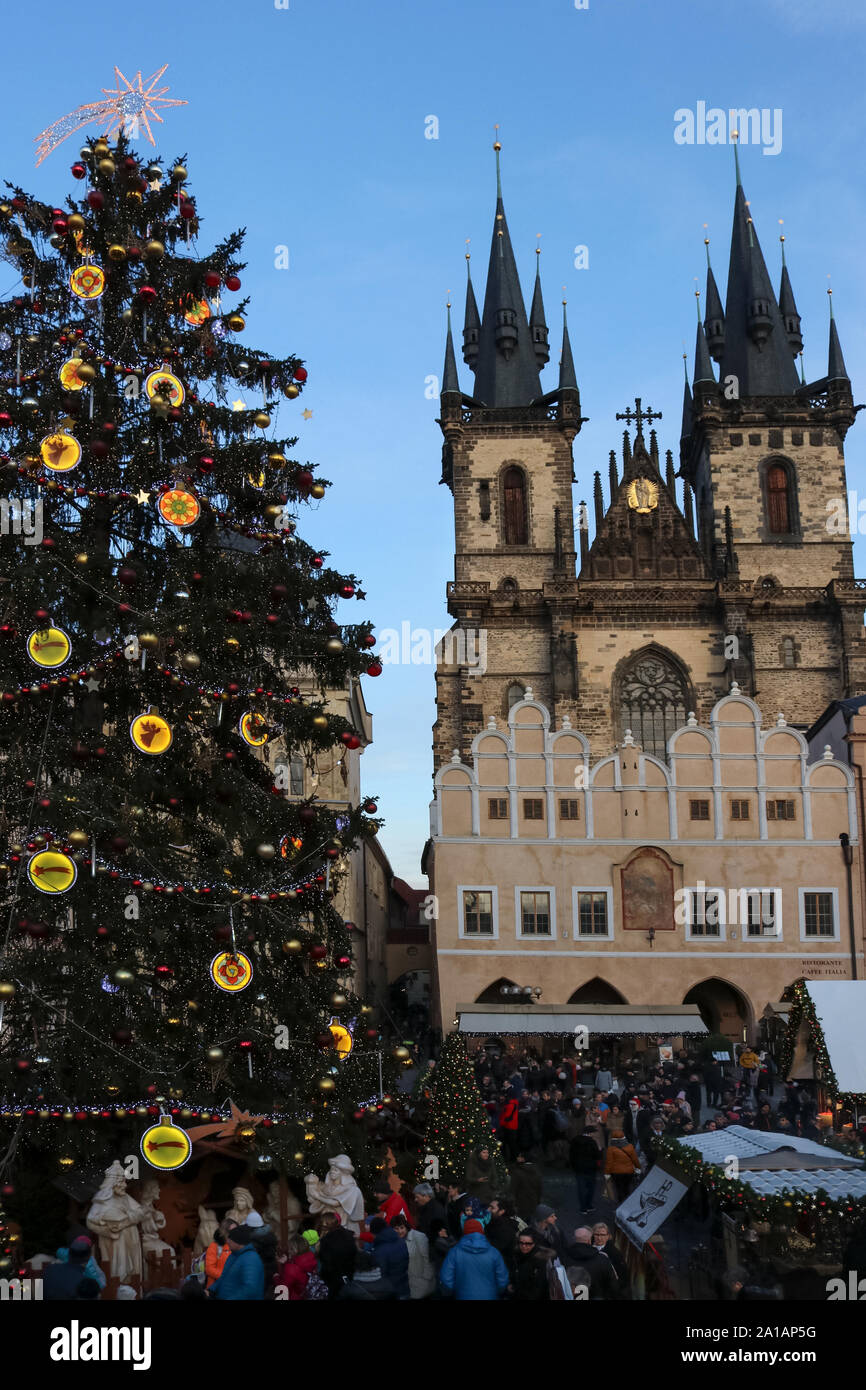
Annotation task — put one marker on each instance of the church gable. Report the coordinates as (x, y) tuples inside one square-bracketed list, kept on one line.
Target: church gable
[(643, 534)]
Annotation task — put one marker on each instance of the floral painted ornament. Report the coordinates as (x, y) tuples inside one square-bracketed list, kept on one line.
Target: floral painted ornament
[(253, 729), (231, 971), (198, 313), (165, 384), (179, 507), (87, 281)]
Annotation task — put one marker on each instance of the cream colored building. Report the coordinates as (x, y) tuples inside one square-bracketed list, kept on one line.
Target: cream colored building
[(715, 878)]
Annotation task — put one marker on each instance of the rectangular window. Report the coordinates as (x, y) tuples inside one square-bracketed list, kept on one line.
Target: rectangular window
[(780, 810), (818, 914), (478, 913), (740, 810), (533, 808), (535, 914), (296, 777), (497, 808), (592, 914), (569, 810), (699, 810), (706, 907), (759, 911)]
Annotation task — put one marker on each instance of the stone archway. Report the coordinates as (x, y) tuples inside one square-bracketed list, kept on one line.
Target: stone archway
[(597, 991), (491, 994), (724, 1008)]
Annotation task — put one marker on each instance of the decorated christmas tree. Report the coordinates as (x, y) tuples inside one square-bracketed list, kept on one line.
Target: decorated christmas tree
[(168, 941), (457, 1124)]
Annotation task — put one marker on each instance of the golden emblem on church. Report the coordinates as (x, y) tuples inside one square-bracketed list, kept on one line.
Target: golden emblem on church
[(643, 495)]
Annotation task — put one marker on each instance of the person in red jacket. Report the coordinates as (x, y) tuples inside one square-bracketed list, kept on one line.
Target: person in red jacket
[(391, 1204), (295, 1269), (508, 1123)]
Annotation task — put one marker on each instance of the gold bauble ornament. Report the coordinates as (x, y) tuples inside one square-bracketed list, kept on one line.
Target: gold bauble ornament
[(122, 976), (247, 1133), (154, 250), (86, 372), (401, 1053), (215, 1054), (106, 166), (233, 644), (291, 391), (291, 948), (327, 1083), (7, 989), (320, 721), (179, 173), (299, 1157), (262, 419), (317, 490), (276, 459), (133, 196), (148, 639), (190, 661), (266, 852), (78, 838), (116, 252), (333, 645), (338, 1000), (75, 222), (100, 147), (127, 316), (309, 1137), (273, 511), (236, 323), (66, 1162)]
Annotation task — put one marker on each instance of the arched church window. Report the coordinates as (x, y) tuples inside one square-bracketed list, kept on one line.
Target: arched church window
[(779, 509), (653, 701), (789, 653), (515, 694), (514, 489)]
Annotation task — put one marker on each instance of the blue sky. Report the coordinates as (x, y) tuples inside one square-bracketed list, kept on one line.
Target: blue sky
[(307, 126)]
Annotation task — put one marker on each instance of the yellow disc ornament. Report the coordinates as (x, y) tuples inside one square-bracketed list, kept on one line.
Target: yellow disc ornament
[(198, 313), (150, 734), (253, 729), (60, 451), (231, 971), (69, 377), (49, 647), (179, 507), (343, 1040), (163, 383), (165, 1146), (256, 480), (87, 281), (52, 872)]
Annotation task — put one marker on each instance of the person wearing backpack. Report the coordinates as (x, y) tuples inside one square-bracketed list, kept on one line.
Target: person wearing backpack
[(368, 1283), (295, 1270)]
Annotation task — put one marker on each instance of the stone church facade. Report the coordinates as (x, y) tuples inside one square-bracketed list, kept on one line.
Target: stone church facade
[(735, 578)]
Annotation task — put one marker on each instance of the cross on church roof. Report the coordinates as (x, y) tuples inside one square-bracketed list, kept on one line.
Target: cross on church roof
[(637, 415)]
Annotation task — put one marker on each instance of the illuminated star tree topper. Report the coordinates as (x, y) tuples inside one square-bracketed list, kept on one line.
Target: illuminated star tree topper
[(127, 107)]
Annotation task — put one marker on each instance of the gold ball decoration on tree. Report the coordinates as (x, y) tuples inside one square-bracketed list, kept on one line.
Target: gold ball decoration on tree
[(293, 947), (79, 839), (7, 989), (266, 852), (190, 661)]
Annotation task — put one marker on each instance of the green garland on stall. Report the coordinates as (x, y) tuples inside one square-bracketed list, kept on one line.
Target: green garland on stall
[(803, 1007)]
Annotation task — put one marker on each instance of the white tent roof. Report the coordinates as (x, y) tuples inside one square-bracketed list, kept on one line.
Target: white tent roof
[(842, 1180), (739, 1142), (840, 1006)]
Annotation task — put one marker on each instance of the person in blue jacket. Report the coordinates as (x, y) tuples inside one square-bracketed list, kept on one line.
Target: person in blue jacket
[(474, 1270), (243, 1275), (391, 1254)]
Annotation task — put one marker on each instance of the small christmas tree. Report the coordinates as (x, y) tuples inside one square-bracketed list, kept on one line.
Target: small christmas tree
[(458, 1123)]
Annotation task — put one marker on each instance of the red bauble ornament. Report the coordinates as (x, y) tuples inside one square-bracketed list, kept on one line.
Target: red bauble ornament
[(350, 740), (22, 1065), (300, 374), (187, 211), (5, 420), (98, 448), (370, 641), (127, 575), (372, 1033), (79, 171), (318, 952), (346, 590), (279, 592), (374, 669), (96, 199), (317, 562), (305, 479), (233, 282), (147, 294), (212, 279), (370, 807), (306, 815), (41, 615)]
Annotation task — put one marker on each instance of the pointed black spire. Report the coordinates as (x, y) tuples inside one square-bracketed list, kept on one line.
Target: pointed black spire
[(669, 474), (687, 507), (598, 499), (703, 362), (506, 370), (714, 316), (450, 382), (612, 476), (686, 427), (626, 452), (836, 362), (756, 351), (654, 450), (567, 377), (537, 324), (471, 322), (788, 308)]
